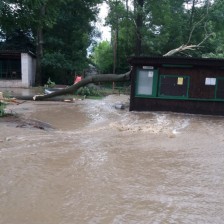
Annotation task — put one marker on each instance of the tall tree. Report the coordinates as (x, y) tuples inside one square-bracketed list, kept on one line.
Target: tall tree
[(42, 15), (216, 19), (103, 57), (67, 41), (121, 23), (31, 14), (17, 40), (116, 14), (139, 20)]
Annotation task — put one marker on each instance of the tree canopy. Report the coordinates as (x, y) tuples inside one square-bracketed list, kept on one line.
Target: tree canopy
[(191, 27), (60, 32)]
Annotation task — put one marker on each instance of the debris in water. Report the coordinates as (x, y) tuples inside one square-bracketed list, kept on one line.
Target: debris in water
[(120, 106)]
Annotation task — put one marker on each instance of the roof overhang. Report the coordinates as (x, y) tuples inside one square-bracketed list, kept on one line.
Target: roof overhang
[(160, 61), (14, 54)]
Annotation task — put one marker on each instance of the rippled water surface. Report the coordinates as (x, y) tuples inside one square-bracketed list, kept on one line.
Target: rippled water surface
[(102, 165)]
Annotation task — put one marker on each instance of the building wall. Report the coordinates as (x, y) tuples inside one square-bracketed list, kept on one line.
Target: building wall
[(201, 98), (28, 69), (197, 76), (183, 106), (11, 83)]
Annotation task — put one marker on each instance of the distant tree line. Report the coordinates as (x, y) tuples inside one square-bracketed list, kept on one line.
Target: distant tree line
[(60, 32)]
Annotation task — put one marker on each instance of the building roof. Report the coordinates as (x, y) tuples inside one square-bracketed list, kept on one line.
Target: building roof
[(157, 61), (15, 53)]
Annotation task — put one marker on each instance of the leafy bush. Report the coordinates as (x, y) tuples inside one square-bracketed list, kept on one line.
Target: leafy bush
[(50, 83), (89, 91), (2, 109)]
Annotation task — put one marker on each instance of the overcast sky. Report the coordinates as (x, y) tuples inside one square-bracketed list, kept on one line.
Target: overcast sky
[(105, 30)]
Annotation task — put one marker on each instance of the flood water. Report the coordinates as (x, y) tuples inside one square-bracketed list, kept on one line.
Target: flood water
[(100, 165)]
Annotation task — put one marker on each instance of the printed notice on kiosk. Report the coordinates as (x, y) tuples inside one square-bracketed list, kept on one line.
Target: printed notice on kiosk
[(180, 81)]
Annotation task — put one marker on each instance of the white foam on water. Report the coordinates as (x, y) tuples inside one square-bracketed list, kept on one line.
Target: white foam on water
[(180, 125)]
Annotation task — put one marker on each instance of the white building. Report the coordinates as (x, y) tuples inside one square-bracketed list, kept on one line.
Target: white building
[(17, 69)]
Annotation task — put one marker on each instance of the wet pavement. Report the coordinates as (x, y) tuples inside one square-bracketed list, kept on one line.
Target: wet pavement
[(14, 92), (102, 165)]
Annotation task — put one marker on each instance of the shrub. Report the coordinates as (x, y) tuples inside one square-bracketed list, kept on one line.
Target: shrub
[(88, 91), (2, 109), (49, 84)]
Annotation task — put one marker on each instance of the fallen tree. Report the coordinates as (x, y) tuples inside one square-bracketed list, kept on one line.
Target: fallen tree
[(90, 79), (126, 76)]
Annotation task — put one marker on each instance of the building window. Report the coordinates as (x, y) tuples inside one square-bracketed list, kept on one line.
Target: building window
[(174, 86), (10, 69), (145, 79)]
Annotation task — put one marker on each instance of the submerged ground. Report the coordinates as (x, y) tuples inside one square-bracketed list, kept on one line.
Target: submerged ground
[(87, 162)]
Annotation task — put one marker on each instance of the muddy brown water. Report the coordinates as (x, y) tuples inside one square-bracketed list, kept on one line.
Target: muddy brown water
[(102, 165)]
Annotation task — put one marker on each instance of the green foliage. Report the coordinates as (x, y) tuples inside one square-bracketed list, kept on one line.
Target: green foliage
[(67, 27), (213, 55), (66, 51), (83, 91), (57, 60), (215, 46), (103, 57), (68, 30), (17, 40), (49, 83), (2, 109), (89, 91), (116, 15), (159, 26)]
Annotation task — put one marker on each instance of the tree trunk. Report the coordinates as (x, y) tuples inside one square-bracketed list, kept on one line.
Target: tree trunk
[(39, 49), (90, 79), (139, 25), (39, 54)]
